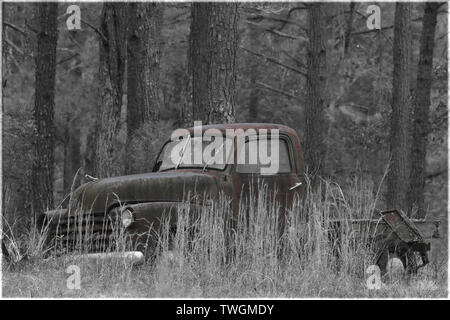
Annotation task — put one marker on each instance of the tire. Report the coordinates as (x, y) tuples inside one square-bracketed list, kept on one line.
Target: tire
[(382, 260), (409, 261), (5, 252)]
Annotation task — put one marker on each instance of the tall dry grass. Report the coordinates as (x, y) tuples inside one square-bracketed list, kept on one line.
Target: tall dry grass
[(266, 248), (261, 252)]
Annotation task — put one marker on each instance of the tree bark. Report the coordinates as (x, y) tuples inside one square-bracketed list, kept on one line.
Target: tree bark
[(182, 89), (421, 125), (316, 83), (143, 70), (43, 112), (72, 157), (111, 76), (66, 164), (397, 180), (89, 155), (349, 27), (212, 61), (254, 77), (75, 152)]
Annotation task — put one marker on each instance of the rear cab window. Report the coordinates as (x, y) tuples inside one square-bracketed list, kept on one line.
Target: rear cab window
[(249, 160)]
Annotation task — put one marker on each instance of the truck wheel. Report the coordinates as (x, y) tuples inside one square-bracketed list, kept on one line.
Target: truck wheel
[(5, 252), (381, 250), (409, 261), (382, 260)]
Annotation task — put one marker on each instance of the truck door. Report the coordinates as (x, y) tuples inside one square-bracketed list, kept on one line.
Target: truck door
[(249, 180)]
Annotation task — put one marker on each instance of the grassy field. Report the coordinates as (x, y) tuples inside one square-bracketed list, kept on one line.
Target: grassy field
[(197, 261), (49, 279)]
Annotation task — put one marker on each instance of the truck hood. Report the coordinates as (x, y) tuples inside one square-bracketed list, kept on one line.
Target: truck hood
[(98, 196)]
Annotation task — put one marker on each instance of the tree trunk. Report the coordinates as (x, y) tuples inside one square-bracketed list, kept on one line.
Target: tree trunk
[(421, 125), (316, 83), (212, 61), (254, 77), (72, 160), (75, 152), (66, 164), (182, 89), (144, 55), (349, 27), (397, 184), (111, 76), (89, 155), (43, 143)]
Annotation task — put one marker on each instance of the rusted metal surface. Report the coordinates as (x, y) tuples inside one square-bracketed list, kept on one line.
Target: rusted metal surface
[(168, 186), (172, 185), (402, 226), (404, 238), (379, 227)]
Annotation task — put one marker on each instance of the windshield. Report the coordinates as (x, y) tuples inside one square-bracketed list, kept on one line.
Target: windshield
[(196, 152)]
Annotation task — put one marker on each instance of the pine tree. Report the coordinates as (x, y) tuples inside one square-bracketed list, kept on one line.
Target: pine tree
[(212, 61), (44, 104)]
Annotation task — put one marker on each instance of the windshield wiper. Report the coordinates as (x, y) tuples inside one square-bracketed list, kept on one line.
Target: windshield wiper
[(182, 151), (209, 161)]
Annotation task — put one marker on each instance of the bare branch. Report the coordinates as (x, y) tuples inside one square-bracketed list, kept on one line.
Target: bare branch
[(383, 28), (179, 5), (371, 30), (276, 32), (297, 61), (295, 9), (282, 92), (14, 27), (95, 29), (67, 59), (63, 16), (436, 174), (275, 61), (289, 15), (12, 45), (364, 16), (29, 26), (73, 40), (275, 17)]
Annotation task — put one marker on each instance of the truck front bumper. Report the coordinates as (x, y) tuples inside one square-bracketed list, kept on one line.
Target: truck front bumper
[(133, 257)]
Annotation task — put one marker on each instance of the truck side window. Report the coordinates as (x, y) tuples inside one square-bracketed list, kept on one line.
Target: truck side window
[(283, 159)]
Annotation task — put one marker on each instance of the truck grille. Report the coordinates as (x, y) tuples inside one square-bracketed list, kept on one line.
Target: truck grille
[(93, 232)]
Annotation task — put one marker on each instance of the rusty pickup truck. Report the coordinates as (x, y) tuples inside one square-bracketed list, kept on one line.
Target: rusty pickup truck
[(140, 200)]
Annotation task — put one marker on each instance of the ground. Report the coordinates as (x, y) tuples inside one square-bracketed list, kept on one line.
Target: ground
[(52, 278)]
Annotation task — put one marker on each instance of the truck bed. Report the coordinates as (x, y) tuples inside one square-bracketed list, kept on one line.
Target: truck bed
[(393, 221)]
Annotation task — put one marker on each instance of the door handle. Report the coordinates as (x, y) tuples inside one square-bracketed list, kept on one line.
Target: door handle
[(298, 184)]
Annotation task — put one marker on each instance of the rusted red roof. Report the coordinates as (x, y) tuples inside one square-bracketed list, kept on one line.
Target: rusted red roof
[(245, 126)]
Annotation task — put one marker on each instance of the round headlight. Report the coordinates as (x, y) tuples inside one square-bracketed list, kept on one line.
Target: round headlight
[(127, 217)]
